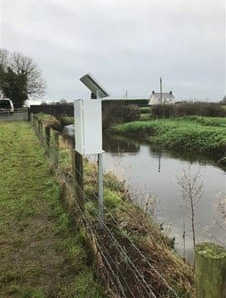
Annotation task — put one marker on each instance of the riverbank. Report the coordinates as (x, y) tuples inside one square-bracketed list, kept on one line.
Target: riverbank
[(42, 253), (136, 257), (144, 241), (205, 135)]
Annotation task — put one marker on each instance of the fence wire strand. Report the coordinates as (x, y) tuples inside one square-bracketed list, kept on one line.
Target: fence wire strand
[(118, 283), (132, 243)]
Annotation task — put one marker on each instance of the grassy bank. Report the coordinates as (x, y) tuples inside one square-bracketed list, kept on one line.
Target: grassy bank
[(42, 253), (201, 134), (150, 249), (129, 235)]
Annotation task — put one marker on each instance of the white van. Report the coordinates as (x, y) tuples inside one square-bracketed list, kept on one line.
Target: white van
[(6, 105)]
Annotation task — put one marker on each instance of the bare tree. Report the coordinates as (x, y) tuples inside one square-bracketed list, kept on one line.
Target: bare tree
[(20, 77), (25, 67), (4, 59), (191, 189)]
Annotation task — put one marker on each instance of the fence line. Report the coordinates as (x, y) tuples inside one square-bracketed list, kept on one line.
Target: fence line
[(121, 250), (62, 159), (18, 115)]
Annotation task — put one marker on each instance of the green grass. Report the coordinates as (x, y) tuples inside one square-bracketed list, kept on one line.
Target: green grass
[(134, 224), (49, 120), (132, 221), (67, 120), (201, 134), (42, 253), (207, 121), (144, 117)]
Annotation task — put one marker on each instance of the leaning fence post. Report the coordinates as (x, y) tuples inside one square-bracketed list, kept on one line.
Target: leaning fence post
[(210, 270), (77, 170), (47, 140), (56, 148)]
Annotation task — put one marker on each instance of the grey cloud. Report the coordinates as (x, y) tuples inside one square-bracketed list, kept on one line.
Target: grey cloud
[(128, 44)]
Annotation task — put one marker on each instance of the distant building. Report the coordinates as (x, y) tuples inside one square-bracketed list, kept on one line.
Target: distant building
[(167, 98)]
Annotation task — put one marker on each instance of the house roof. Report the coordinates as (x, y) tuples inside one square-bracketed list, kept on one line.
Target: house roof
[(164, 95)]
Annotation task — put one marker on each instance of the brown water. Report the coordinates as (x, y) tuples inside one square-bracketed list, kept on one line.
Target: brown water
[(151, 178), (148, 173)]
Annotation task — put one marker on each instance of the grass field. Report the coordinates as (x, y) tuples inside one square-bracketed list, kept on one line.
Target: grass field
[(200, 134), (42, 254)]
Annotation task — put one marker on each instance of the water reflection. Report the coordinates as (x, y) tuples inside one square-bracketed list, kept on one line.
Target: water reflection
[(191, 157), (119, 145), (149, 172)]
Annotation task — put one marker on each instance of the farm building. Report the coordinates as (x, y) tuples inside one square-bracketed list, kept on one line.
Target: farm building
[(157, 99)]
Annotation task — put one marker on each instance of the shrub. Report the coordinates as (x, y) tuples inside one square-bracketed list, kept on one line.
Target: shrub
[(137, 102), (187, 109), (117, 112), (144, 110), (130, 113), (163, 111)]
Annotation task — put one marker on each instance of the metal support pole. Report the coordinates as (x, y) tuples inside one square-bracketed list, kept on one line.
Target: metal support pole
[(100, 191), (161, 90)]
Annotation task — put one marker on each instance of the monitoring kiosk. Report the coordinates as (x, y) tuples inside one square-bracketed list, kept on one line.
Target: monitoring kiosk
[(88, 118), (88, 126), (88, 130)]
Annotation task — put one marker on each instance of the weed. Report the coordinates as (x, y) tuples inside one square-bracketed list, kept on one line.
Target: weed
[(191, 189), (112, 198)]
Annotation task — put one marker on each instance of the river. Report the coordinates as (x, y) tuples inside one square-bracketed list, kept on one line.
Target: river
[(152, 180)]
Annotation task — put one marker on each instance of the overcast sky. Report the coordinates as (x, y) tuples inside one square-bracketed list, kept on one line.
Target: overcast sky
[(125, 44)]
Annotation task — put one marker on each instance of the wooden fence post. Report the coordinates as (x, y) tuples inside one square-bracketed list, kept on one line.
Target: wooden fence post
[(210, 270), (77, 170), (35, 124), (47, 140), (39, 129), (56, 148)]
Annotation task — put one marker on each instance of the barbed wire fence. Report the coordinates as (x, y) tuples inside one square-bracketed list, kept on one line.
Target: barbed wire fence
[(127, 271)]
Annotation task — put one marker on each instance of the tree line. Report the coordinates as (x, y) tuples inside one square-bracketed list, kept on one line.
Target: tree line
[(20, 77)]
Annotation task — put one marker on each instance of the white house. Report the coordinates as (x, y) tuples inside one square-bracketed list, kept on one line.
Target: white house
[(157, 99)]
